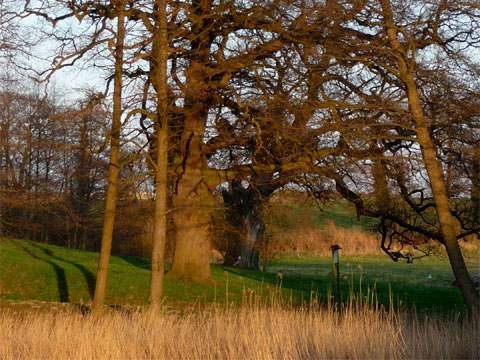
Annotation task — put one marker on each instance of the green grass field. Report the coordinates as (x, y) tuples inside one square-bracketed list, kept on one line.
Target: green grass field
[(425, 284), (33, 271)]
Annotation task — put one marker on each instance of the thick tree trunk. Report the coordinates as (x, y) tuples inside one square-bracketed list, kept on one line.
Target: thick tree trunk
[(433, 167), (194, 204), (232, 234), (235, 203), (113, 168), (245, 226), (193, 215), (250, 256), (159, 239)]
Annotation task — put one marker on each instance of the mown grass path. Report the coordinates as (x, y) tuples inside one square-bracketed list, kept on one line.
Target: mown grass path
[(33, 271)]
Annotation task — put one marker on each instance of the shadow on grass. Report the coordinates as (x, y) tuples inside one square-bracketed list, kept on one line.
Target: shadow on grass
[(59, 272), (87, 274), (304, 284), (404, 295), (142, 263)]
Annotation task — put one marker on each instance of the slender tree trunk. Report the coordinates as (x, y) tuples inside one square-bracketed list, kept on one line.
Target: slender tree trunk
[(475, 192), (159, 238), (446, 219), (433, 167), (113, 168)]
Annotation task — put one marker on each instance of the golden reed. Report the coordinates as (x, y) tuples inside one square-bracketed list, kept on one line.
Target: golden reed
[(248, 332)]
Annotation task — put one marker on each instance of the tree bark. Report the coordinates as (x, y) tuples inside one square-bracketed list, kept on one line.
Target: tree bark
[(113, 168), (159, 239), (250, 256), (245, 228), (475, 192), (233, 216), (194, 204), (193, 214), (433, 166)]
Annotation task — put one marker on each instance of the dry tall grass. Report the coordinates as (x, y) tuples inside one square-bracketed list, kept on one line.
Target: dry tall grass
[(353, 241), (317, 241), (245, 333)]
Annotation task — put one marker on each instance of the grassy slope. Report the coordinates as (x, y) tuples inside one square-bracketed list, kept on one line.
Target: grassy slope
[(345, 216), (32, 271), (298, 214)]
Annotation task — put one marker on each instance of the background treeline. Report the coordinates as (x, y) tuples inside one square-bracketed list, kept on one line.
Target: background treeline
[(53, 163)]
